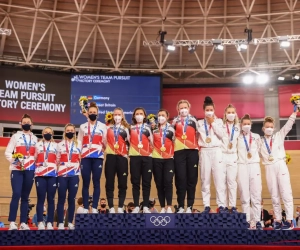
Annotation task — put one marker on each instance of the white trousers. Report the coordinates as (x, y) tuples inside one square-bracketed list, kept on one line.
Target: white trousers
[(279, 184), (231, 168), (211, 163), (249, 184)]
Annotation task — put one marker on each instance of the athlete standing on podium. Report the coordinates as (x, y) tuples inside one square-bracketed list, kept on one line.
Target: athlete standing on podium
[(92, 134), (185, 156)]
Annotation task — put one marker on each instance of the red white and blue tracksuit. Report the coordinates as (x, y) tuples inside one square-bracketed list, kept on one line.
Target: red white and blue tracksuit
[(68, 158), (93, 138), (21, 177), (45, 177)]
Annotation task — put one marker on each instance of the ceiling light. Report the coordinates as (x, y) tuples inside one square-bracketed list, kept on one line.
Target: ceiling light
[(262, 78), (219, 47), (192, 48), (248, 79), (281, 78), (171, 48), (296, 77), (244, 46), (284, 41)]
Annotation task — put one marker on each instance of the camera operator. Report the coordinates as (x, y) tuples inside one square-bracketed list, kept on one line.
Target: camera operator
[(151, 206), (103, 209), (29, 221), (130, 207)]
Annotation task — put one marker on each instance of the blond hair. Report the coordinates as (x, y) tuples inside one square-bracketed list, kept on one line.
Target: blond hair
[(268, 119), (52, 132), (74, 139), (184, 101), (123, 121), (236, 119)]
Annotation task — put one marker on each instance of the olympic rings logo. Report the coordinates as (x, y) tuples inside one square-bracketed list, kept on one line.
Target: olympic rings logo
[(160, 220)]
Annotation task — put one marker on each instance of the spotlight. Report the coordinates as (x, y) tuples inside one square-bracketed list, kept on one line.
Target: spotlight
[(262, 78), (219, 47), (241, 47), (171, 48), (281, 78), (192, 48), (296, 77), (248, 79), (255, 41), (284, 42), (218, 44)]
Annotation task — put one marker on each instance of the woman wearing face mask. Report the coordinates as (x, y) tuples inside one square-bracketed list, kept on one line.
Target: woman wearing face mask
[(249, 174), (231, 130), (278, 176), (117, 159), (186, 156), (210, 141), (68, 158), (163, 163), (92, 134), (45, 177), (140, 152), (22, 172)]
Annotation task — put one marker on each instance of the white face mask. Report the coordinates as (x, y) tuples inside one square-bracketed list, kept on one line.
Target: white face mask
[(230, 117), (246, 128), (209, 113), (117, 119), (184, 112), (161, 119), (298, 213), (139, 118), (269, 131)]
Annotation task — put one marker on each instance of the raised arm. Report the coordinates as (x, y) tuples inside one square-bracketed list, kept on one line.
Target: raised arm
[(288, 126)]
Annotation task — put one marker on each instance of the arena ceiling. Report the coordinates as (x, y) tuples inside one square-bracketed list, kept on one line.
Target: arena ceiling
[(108, 36)]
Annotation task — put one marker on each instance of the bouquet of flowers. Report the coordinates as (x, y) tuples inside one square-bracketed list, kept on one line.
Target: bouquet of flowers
[(108, 118), (295, 100), (19, 158), (83, 103), (287, 158), (152, 120)]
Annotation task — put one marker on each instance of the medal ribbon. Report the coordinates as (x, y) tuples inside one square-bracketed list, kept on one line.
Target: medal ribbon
[(246, 143), (184, 123), (116, 133), (232, 131), (140, 132), (26, 144), (269, 148), (46, 152), (205, 126), (93, 133), (69, 154), (163, 136)]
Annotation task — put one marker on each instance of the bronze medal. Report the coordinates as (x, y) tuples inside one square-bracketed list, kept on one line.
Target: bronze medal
[(230, 145), (208, 140), (249, 155), (271, 158)]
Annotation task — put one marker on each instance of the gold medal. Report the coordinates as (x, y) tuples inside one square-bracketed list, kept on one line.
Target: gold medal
[(162, 149), (230, 145), (183, 137), (116, 146), (140, 145), (208, 140), (249, 155), (271, 158)]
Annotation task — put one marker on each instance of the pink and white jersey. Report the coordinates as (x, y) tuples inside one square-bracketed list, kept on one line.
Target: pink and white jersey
[(45, 158), (68, 158), (93, 139), (23, 143)]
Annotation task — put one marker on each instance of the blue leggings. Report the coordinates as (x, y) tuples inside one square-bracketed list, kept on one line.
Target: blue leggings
[(21, 184), (91, 166), (65, 184), (45, 185)]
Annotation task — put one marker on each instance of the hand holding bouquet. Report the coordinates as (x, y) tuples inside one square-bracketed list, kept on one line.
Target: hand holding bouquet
[(295, 100), (19, 160), (83, 103)]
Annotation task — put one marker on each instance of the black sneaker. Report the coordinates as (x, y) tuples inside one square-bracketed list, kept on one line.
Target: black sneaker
[(206, 210), (234, 210), (287, 225), (277, 225), (222, 210)]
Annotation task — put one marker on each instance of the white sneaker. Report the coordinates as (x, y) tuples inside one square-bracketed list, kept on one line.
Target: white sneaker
[(163, 211), (41, 226), (120, 210), (146, 210), (24, 226), (112, 210), (61, 226), (188, 210), (136, 210), (85, 211), (49, 226), (95, 211), (180, 210), (71, 226), (13, 226), (169, 210)]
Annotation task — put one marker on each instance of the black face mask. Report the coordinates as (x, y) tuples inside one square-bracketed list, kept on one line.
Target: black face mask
[(47, 137), (70, 135), (26, 127), (93, 117), (103, 205)]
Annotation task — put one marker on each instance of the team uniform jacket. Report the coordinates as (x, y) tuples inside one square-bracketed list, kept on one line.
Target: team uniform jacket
[(92, 144), (227, 132), (158, 134), (68, 163), (191, 132), (278, 151), (215, 133), (147, 140), (123, 140), (46, 165), (254, 148), (17, 145)]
